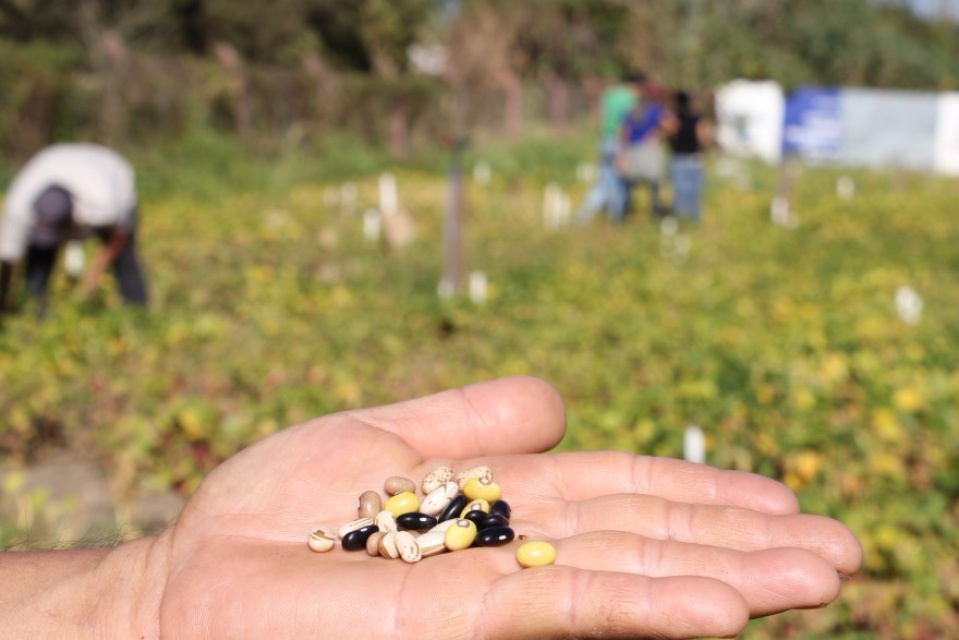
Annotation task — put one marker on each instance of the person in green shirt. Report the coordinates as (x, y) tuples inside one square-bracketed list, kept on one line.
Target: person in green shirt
[(609, 192)]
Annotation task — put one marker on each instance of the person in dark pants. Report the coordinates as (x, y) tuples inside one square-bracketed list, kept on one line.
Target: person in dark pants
[(66, 192), (691, 134)]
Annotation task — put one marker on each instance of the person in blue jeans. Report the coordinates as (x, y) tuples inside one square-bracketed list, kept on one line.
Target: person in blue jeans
[(691, 135), (617, 101), (640, 159)]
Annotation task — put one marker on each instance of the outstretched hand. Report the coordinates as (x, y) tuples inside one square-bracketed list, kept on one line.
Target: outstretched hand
[(645, 546)]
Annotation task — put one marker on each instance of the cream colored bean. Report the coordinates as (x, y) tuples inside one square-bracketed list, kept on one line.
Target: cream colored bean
[(322, 538), (386, 521), (406, 545), (372, 543), (436, 478), (481, 471), (438, 499), (443, 526), (370, 504), (432, 542), (398, 484), (387, 545), (353, 525)]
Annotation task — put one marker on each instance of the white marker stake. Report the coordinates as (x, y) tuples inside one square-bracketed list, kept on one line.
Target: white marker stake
[(694, 444), (845, 188), (908, 305), (372, 224), (482, 173), (389, 199), (478, 287), (348, 194), (73, 258)]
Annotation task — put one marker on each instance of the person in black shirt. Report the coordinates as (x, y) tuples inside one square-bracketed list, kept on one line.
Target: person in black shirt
[(691, 133)]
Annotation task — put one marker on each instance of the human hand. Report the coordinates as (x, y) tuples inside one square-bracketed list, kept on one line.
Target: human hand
[(645, 546)]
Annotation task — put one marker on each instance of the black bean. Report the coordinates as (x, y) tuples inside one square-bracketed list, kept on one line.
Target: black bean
[(476, 516), (357, 539), (416, 521), (454, 508), (494, 537), (502, 508), (493, 520)]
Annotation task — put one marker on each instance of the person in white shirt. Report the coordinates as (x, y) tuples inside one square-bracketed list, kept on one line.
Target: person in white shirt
[(71, 191)]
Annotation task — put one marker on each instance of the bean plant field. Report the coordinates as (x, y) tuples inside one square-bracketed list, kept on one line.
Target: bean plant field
[(783, 342)]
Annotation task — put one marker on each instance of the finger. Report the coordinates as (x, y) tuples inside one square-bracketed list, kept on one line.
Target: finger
[(583, 475), (719, 526), (563, 601), (771, 580), (517, 414)]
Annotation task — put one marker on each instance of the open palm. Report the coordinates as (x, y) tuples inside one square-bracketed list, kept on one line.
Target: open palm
[(645, 546)]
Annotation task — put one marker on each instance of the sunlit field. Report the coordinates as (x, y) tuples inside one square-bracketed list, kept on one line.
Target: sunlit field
[(271, 306)]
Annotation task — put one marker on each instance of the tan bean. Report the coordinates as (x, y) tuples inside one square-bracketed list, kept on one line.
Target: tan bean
[(370, 504), (372, 543), (407, 547), (398, 484), (387, 545)]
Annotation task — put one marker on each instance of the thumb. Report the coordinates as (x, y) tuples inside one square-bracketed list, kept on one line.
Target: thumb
[(512, 415)]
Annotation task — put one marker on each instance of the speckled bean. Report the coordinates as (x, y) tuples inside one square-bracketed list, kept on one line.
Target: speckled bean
[(436, 478), (398, 484), (481, 471), (385, 520), (370, 504)]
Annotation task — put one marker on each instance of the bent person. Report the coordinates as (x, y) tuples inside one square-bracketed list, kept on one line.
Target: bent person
[(67, 192)]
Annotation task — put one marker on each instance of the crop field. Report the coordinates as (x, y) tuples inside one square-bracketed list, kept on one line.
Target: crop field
[(271, 306)]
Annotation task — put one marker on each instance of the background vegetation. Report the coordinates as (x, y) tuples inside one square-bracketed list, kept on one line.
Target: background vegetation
[(270, 305)]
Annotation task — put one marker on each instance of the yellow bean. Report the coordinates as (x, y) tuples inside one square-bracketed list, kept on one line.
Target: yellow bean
[(460, 535), (403, 502), (536, 553), (482, 489)]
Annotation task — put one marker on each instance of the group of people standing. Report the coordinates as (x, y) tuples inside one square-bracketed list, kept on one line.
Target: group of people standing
[(644, 133)]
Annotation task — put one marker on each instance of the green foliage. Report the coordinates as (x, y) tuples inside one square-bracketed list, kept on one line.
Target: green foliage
[(270, 308)]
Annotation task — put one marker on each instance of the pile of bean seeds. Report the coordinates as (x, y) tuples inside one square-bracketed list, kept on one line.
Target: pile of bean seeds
[(454, 513)]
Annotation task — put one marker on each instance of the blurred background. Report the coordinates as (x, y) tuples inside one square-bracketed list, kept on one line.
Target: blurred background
[(351, 203)]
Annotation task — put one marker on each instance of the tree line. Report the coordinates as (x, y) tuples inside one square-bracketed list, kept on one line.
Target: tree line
[(393, 71)]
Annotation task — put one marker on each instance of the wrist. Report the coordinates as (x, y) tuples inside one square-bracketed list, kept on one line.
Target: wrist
[(84, 593)]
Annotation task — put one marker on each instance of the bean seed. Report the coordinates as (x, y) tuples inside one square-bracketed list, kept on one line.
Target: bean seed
[(454, 509), (402, 502), (372, 543), (436, 478), (353, 525), (493, 520), (493, 537), (407, 547), (501, 507), (385, 520), (476, 472), (416, 521), (536, 553), (460, 535), (322, 538), (475, 516), (357, 538), (475, 505), (482, 489), (443, 526), (387, 545), (398, 484), (438, 499), (370, 504), (432, 542)]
